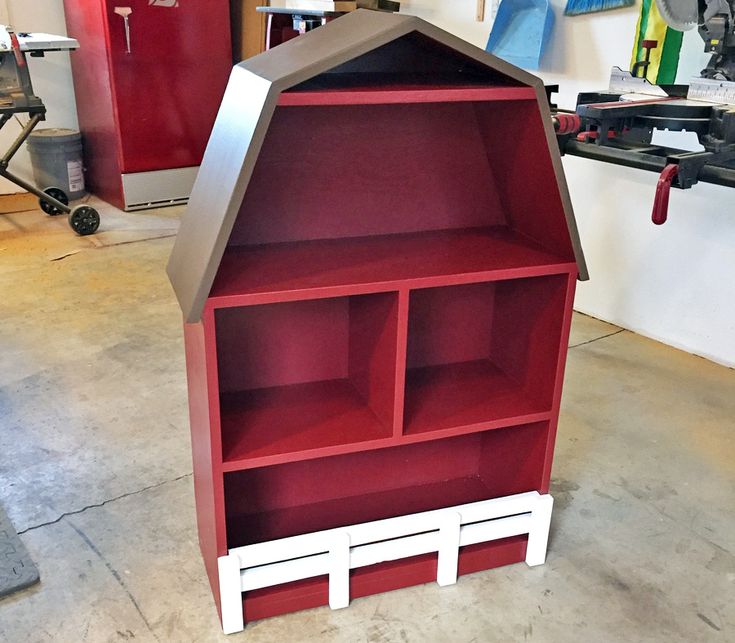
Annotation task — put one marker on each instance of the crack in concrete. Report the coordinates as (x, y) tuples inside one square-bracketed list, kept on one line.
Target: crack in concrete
[(597, 339), (102, 504), (115, 575), (114, 244)]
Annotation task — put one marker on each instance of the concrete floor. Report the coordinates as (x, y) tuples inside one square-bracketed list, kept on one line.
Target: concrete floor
[(95, 473)]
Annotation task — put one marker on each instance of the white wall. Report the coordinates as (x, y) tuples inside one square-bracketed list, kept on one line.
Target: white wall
[(51, 76), (674, 283)]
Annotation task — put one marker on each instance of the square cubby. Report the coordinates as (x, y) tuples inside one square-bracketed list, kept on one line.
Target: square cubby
[(306, 375), (483, 355)]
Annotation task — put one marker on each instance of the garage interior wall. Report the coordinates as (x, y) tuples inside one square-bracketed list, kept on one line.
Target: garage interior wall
[(673, 283)]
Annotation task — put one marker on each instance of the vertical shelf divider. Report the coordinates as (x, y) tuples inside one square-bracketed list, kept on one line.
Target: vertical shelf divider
[(402, 347)]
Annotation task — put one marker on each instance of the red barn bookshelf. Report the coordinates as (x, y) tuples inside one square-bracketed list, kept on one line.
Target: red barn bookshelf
[(376, 270)]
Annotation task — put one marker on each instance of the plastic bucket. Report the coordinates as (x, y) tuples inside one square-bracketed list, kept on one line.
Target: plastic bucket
[(56, 156)]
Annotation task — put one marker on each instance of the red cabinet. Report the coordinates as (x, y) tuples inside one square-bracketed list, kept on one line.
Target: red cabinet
[(146, 112), (377, 270)]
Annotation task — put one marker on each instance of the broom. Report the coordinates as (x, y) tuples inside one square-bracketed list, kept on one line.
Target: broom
[(578, 7)]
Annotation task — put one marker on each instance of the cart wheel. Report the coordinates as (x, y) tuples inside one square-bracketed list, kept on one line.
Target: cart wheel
[(54, 193), (84, 220)]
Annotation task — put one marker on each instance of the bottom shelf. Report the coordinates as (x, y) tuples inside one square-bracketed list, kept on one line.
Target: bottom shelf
[(291, 521), (385, 577), (418, 544), (284, 500)]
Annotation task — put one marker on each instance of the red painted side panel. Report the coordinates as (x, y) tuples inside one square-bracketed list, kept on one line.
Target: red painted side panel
[(154, 108), (527, 333), (521, 163), (85, 21), (208, 491), (169, 88), (566, 326)]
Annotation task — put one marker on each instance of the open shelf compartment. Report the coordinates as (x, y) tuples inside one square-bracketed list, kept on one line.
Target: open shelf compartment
[(384, 195), (305, 376), (285, 500), (483, 355)]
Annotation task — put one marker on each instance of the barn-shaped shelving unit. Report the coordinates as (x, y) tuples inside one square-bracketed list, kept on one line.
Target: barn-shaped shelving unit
[(376, 270)]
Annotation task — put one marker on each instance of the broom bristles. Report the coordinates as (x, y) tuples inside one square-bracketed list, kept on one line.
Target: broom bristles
[(578, 7)]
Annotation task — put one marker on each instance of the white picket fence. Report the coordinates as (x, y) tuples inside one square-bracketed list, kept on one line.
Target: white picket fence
[(336, 551)]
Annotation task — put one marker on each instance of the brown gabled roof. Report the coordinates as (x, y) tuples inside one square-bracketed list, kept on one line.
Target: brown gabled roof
[(246, 112)]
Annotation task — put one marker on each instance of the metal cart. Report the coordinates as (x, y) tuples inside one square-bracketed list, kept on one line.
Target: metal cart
[(17, 97)]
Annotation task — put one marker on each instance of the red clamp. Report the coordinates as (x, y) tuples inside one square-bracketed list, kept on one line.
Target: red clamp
[(567, 123), (663, 187), (593, 135), (15, 46)]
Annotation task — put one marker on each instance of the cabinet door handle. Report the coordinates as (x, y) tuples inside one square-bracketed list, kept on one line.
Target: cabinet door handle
[(125, 13)]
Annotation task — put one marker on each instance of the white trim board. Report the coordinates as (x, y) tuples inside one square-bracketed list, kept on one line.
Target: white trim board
[(158, 188), (336, 551)]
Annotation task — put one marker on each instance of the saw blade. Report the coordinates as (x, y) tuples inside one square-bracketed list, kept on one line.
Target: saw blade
[(681, 15)]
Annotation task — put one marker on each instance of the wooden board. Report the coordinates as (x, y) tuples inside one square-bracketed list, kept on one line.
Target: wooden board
[(248, 29), (18, 202)]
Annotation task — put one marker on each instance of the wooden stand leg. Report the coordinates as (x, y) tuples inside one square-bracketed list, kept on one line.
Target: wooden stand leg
[(230, 594)]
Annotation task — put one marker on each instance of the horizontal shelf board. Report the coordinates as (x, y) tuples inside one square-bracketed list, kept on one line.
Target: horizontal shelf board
[(457, 398), (357, 265), (247, 529), (404, 94), (266, 426)]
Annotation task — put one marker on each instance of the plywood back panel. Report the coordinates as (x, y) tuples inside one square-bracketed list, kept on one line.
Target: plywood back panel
[(512, 460), (281, 344), (355, 474), (348, 171), (449, 325)]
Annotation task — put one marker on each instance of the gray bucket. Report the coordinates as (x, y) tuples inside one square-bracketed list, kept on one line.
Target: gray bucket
[(56, 156)]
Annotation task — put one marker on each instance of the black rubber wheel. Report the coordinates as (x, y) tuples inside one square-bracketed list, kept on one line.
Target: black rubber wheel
[(59, 195), (84, 220)]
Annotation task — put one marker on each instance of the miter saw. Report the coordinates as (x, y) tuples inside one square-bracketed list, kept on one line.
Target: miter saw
[(617, 125)]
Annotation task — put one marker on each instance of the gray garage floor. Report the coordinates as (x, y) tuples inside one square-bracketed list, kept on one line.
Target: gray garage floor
[(95, 473)]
